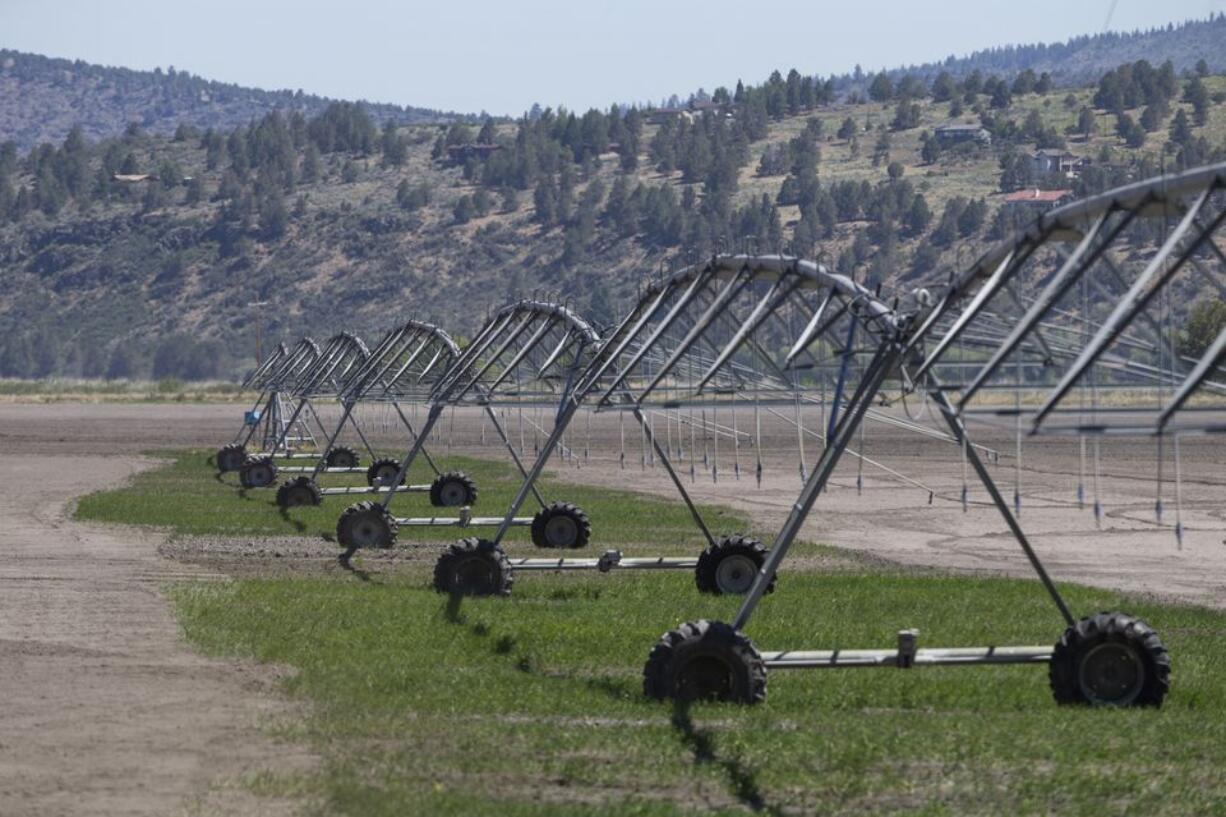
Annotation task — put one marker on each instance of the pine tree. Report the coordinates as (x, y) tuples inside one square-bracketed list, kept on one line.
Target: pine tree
[(1024, 83), (510, 200), (395, 151), (1153, 115), (1085, 123), (1197, 95), (310, 170), (51, 193), (847, 130), (73, 163), (600, 304), (906, 115), (881, 89), (463, 211), (1181, 129), (545, 202), (215, 148), (971, 219), (881, 150), (919, 216), (1001, 98), (273, 216)]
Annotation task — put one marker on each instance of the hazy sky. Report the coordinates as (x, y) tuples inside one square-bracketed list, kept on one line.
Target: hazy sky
[(470, 55)]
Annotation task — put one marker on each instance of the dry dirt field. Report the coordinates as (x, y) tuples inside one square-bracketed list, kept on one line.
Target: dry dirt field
[(106, 711)]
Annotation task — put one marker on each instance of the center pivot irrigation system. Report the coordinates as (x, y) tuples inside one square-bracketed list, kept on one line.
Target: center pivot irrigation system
[(325, 378), (691, 348), (525, 359), (402, 370), (1081, 303), (276, 375)]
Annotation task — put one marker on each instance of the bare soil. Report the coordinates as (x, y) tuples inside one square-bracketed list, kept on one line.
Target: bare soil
[(105, 708), (871, 512)]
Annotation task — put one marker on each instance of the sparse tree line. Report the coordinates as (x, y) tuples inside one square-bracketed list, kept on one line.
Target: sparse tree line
[(158, 97), (43, 353)]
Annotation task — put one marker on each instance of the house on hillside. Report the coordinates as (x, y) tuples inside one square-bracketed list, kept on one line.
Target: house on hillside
[(459, 154), (1035, 199), (658, 116), (948, 135), (1057, 162)]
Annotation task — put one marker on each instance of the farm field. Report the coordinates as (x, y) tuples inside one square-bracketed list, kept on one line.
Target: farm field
[(377, 687), (530, 704)]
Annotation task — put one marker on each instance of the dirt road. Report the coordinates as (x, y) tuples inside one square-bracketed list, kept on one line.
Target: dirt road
[(105, 709)]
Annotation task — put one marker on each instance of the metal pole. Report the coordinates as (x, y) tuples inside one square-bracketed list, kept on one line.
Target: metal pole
[(842, 381), (413, 434), (885, 359), (511, 449), (322, 462), (432, 416), (959, 430), (538, 466), (668, 466)]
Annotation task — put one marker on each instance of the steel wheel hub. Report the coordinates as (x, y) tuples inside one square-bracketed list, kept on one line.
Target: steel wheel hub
[(368, 531), (735, 574), (1111, 673), (453, 494), (561, 531)]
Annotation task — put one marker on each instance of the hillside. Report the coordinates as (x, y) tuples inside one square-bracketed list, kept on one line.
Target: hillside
[(334, 224), (1081, 60), (42, 98)]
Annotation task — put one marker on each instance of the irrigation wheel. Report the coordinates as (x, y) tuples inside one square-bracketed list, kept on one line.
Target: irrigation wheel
[(1111, 659), (366, 525), (730, 566), (230, 457), (382, 473), (453, 490), (342, 456), (561, 525), (299, 491), (473, 567), (257, 472), (705, 661)]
